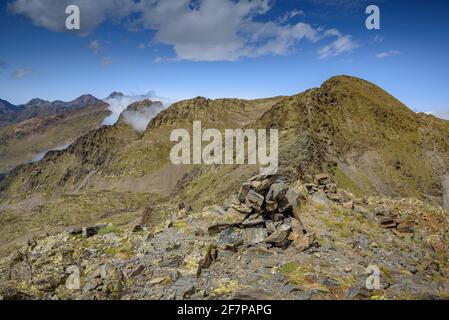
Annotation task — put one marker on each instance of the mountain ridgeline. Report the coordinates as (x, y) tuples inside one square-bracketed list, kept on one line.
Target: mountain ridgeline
[(28, 131), (10, 114), (368, 141), (7, 109)]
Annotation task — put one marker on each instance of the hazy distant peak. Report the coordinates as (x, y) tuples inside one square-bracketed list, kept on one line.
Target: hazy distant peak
[(8, 108), (85, 100), (139, 105), (115, 94), (37, 101)]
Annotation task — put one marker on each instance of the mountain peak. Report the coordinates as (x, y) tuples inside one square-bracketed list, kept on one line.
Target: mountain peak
[(352, 84), (139, 105), (84, 100), (37, 101), (115, 94), (8, 108)]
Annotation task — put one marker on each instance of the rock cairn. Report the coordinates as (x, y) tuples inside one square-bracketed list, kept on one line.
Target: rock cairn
[(88, 231), (389, 219), (264, 195), (269, 216), (324, 191)]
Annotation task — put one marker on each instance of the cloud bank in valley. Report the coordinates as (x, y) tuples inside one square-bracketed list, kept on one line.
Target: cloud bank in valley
[(118, 103), (138, 119), (39, 156)]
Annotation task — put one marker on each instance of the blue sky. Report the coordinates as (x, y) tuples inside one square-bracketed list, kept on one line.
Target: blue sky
[(223, 48)]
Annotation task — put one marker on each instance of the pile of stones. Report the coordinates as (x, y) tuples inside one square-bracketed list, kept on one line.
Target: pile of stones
[(264, 195), (88, 231), (323, 189), (389, 219), (269, 220), (323, 182)]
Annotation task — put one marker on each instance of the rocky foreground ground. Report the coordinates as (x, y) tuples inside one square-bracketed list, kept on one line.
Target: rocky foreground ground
[(270, 241)]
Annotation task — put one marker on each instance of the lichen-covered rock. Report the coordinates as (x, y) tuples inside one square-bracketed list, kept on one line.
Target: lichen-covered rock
[(201, 257), (255, 235)]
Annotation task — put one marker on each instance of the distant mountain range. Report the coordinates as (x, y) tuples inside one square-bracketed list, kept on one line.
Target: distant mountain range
[(115, 95), (32, 129), (7, 108), (10, 114)]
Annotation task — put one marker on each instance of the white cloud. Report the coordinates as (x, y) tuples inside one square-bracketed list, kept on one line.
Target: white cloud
[(95, 46), (144, 45), (219, 30), (39, 156), (50, 14), (164, 60), (140, 119), (290, 15), (21, 73), (378, 39), (388, 54), (105, 62), (119, 103), (197, 30), (158, 60), (342, 44)]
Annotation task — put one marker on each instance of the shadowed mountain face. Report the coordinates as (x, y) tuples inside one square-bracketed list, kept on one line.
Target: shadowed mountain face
[(7, 108), (369, 142)]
